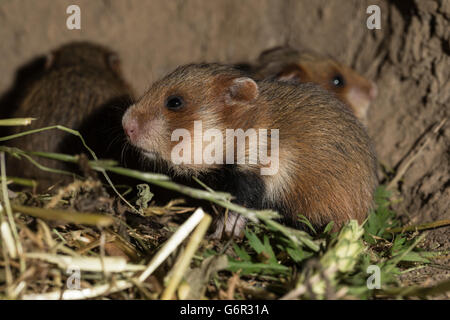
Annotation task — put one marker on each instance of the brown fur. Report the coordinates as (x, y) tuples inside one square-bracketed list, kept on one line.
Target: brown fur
[(289, 64), (81, 88), (327, 164)]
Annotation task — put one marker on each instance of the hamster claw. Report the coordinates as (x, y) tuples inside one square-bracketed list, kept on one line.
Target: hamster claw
[(233, 227)]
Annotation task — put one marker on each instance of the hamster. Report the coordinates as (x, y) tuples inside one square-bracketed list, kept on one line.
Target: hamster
[(81, 88), (288, 64), (314, 158)]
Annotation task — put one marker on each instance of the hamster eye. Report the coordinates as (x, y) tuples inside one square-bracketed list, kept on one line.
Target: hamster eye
[(338, 81), (174, 102)]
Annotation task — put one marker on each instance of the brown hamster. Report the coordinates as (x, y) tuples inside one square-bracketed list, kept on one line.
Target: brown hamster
[(82, 88), (326, 164), (288, 64)]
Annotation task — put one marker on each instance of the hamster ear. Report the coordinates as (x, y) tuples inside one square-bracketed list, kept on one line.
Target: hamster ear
[(243, 89), (49, 60), (280, 53), (113, 61), (292, 73)]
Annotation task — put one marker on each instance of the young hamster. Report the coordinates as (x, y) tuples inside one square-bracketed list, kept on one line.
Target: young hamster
[(320, 161), (82, 88), (288, 64)]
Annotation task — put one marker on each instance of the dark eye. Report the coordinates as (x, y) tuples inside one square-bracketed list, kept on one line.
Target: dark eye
[(338, 81), (174, 102)]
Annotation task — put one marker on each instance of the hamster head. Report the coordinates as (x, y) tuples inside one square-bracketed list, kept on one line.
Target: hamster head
[(212, 94), (86, 54), (287, 64)]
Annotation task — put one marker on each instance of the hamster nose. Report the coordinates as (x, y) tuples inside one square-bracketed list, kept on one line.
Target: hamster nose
[(131, 129)]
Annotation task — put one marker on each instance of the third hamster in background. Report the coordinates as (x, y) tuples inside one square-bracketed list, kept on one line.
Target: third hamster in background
[(288, 64), (325, 158), (82, 88)]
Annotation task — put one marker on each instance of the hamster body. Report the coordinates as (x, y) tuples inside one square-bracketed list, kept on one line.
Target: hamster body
[(81, 88), (325, 164), (288, 64)]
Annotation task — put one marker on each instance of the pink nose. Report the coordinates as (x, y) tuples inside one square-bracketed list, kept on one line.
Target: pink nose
[(131, 129)]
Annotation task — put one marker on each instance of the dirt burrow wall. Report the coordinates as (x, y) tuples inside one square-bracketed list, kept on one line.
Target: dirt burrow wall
[(408, 59)]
